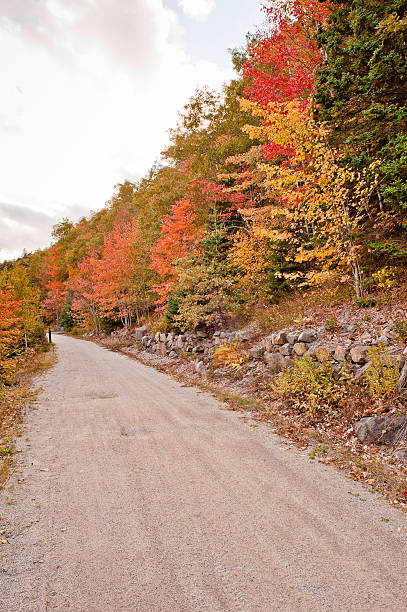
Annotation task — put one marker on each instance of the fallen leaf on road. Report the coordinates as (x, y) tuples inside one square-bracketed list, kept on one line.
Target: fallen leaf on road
[(38, 561), (401, 530), (64, 529), (3, 541), (2, 531), (44, 470)]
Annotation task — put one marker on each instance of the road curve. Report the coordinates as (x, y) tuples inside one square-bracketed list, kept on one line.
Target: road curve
[(142, 495)]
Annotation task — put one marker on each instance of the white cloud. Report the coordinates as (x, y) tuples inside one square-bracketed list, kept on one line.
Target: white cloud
[(87, 91), (197, 9)]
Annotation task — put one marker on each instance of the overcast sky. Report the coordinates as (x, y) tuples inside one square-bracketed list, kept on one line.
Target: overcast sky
[(88, 90)]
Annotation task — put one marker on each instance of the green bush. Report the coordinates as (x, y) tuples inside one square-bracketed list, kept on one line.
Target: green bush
[(312, 384), (382, 376), (401, 329)]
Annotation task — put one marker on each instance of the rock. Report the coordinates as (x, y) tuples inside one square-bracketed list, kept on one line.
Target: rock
[(146, 341), (285, 350), (244, 334), (275, 361), (200, 368), (402, 384), (139, 332), (163, 337), (401, 452), (256, 352), (401, 360), (299, 349), (161, 349), (340, 353), (172, 354), (312, 349), (366, 338), (358, 353), (383, 340), (288, 362), (381, 430), (360, 372), (201, 334), (279, 338), (179, 343), (308, 336), (405, 351), (268, 343), (292, 337)]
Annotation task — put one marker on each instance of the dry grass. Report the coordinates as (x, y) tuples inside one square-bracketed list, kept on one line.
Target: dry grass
[(14, 400), (293, 307)]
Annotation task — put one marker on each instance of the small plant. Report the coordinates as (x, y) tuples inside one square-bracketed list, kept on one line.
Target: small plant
[(382, 376), (6, 451), (401, 329), (387, 277), (364, 302), (331, 325), (312, 384), (230, 355)]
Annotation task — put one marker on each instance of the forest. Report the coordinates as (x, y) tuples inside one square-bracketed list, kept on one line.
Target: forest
[(291, 179)]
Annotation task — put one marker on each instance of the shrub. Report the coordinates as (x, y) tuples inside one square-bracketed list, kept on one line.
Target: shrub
[(381, 378), (312, 384), (230, 355), (401, 329), (365, 302), (331, 325)]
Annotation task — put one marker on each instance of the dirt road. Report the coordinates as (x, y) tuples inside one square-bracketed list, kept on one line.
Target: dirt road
[(143, 495)]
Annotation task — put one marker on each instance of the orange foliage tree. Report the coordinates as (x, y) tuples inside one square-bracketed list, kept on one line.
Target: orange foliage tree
[(10, 335), (180, 237)]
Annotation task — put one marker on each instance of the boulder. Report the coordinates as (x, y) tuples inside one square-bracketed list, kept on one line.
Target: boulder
[(179, 342), (381, 430), (279, 338), (275, 361), (161, 349), (402, 384), (146, 341), (139, 332), (401, 452), (358, 353), (256, 352), (340, 353), (285, 350), (299, 349), (268, 343), (200, 368), (292, 337), (360, 372), (308, 336)]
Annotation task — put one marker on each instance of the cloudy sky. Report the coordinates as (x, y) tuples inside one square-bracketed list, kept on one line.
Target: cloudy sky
[(88, 90)]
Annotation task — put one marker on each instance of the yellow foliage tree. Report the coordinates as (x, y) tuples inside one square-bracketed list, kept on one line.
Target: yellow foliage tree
[(315, 204)]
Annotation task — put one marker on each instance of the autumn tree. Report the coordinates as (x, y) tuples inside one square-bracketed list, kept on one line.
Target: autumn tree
[(10, 335)]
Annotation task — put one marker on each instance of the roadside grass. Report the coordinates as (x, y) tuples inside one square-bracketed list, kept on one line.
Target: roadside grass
[(14, 400)]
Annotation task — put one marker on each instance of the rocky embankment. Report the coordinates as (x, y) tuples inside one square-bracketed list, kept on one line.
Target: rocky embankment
[(347, 345)]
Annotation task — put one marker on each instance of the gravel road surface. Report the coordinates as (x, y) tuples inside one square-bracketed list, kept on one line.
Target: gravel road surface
[(142, 495)]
